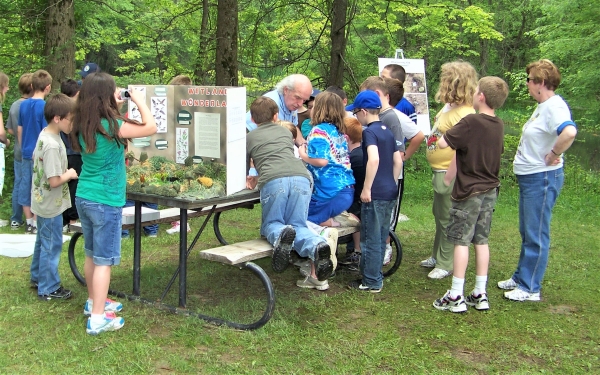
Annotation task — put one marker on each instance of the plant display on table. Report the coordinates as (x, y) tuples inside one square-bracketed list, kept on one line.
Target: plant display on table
[(159, 176)]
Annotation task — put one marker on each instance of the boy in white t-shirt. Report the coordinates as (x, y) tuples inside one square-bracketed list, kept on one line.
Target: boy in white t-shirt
[(50, 197)]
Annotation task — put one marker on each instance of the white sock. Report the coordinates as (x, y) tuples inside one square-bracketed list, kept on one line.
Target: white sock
[(35, 223), (90, 301), (457, 287), (30, 221), (480, 284), (97, 319)]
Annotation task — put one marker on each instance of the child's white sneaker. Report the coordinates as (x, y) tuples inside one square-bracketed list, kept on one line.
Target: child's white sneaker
[(176, 228)]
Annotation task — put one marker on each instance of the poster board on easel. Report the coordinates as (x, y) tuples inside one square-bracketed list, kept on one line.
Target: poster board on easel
[(415, 87)]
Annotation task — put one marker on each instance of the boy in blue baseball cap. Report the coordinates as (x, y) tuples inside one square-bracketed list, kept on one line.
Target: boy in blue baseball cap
[(89, 68), (383, 165)]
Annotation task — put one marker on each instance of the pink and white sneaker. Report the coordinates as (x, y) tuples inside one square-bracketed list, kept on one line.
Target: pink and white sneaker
[(176, 228)]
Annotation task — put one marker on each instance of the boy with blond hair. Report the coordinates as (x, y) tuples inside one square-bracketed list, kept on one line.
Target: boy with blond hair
[(50, 197), (476, 165), (30, 124)]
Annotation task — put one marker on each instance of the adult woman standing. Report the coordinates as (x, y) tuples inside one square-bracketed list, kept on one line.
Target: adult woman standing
[(538, 166), (458, 82)]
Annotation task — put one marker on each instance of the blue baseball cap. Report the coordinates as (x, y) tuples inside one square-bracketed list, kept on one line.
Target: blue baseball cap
[(89, 68), (365, 100)]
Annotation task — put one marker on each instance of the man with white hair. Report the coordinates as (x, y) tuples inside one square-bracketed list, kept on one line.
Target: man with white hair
[(289, 94)]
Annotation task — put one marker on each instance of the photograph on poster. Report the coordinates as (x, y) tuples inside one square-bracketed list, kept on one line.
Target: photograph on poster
[(415, 88)]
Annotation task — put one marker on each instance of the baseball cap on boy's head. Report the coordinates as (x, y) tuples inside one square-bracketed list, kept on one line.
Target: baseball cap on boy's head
[(89, 68), (367, 99)]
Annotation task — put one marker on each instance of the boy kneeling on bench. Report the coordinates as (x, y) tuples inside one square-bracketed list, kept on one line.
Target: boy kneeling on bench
[(285, 189)]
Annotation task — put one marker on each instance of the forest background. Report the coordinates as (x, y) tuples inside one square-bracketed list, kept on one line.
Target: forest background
[(254, 43)]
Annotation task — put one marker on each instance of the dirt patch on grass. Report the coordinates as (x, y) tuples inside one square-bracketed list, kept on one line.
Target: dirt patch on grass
[(162, 367), (474, 360), (562, 309)]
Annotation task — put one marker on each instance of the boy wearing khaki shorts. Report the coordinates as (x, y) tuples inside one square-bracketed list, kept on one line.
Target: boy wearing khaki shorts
[(478, 140)]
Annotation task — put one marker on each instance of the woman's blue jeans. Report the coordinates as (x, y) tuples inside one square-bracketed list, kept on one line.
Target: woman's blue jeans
[(537, 195), (284, 202)]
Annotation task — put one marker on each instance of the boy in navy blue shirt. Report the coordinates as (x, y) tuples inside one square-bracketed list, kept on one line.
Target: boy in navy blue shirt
[(383, 164)]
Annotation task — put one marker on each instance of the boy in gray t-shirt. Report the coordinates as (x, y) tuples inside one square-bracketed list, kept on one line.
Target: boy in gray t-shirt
[(50, 197), (16, 219)]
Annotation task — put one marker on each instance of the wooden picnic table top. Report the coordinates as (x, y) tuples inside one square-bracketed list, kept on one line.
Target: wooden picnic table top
[(250, 195)]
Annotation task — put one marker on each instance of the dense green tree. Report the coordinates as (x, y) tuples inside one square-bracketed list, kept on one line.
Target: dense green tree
[(569, 36), (331, 41)]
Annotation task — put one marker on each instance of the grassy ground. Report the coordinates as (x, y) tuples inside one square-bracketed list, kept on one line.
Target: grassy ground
[(334, 332)]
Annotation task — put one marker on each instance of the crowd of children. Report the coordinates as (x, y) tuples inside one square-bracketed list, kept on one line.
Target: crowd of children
[(69, 165), (355, 160)]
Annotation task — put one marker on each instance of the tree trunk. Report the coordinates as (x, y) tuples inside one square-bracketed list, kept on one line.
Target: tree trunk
[(59, 46), (226, 59), (201, 66), (338, 43), (484, 45)]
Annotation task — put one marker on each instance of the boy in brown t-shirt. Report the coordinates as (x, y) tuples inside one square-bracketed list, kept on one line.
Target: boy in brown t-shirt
[(478, 140)]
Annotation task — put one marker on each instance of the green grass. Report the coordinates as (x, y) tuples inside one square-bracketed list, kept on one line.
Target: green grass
[(334, 332)]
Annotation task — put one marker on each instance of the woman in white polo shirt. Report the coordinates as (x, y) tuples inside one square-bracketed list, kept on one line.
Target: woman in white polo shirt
[(538, 166)]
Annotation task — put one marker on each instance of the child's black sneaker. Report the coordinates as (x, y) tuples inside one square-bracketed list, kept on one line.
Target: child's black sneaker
[(15, 225), (480, 302), (282, 248), (323, 263), (31, 229), (60, 293), (446, 302), (358, 285)]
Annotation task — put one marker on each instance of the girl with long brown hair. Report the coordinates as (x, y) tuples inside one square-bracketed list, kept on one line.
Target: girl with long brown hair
[(100, 133)]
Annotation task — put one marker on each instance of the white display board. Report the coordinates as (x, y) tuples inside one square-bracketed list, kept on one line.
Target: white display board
[(415, 88), (198, 121)]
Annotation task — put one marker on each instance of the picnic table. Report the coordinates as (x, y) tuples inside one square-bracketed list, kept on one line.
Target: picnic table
[(181, 209)]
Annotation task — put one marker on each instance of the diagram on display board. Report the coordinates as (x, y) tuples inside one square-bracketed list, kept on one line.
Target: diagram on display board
[(415, 88), (200, 134)]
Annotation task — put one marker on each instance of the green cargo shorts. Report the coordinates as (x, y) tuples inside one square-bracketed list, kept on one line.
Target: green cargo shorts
[(471, 219)]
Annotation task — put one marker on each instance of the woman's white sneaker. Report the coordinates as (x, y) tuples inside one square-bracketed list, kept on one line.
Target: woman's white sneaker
[(509, 284), (521, 295)]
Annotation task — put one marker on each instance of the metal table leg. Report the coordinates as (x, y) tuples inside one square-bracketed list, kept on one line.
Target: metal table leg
[(137, 247)]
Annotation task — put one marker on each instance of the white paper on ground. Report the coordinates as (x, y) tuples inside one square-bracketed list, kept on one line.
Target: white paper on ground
[(19, 245)]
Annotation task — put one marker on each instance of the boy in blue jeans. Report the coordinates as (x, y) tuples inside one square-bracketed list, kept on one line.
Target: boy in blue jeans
[(16, 220), (50, 197), (383, 165), (30, 124), (285, 189), (479, 142)]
